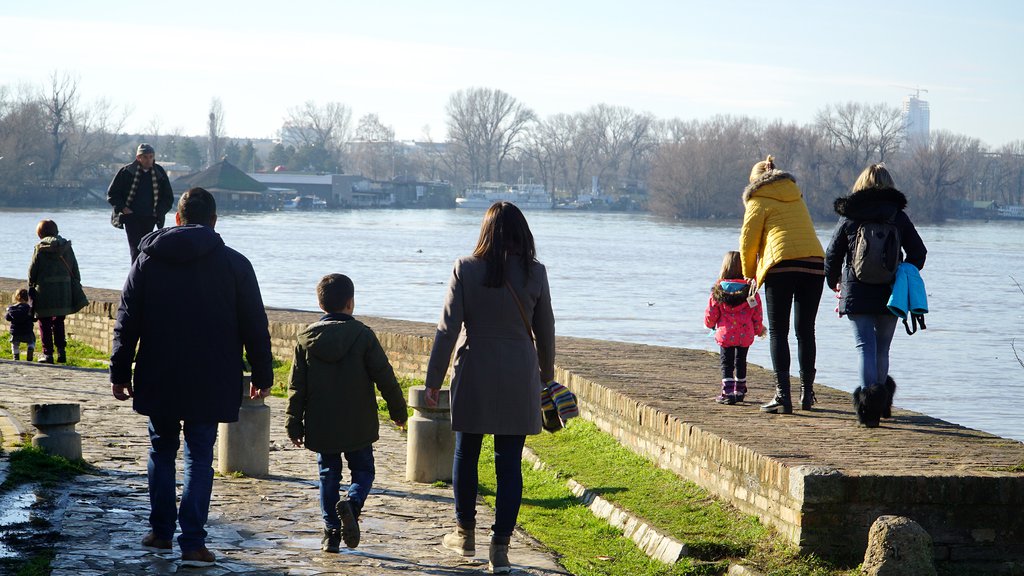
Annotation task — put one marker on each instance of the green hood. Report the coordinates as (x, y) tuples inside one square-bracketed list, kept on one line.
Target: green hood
[(54, 245), (331, 340)]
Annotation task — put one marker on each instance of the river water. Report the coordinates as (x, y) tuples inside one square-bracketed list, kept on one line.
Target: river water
[(615, 276)]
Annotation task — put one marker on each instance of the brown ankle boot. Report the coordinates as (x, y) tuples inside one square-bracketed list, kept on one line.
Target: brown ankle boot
[(497, 557), (461, 540)]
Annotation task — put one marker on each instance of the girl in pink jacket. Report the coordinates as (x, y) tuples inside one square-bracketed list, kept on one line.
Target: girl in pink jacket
[(734, 311)]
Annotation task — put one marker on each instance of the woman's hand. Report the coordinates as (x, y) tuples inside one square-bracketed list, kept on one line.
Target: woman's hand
[(433, 396)]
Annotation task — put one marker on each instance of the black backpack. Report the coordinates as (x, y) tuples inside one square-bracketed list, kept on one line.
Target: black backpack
[(876, 252)]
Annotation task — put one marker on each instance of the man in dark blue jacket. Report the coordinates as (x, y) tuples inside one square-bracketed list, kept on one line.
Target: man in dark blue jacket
[(191, 304)]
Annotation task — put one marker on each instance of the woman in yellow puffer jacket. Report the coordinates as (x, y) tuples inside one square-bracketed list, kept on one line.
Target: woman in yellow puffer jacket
[(779, 248)]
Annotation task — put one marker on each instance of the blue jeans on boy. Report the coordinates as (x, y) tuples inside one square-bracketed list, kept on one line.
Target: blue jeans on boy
[(360, 465), (508, 457), (873, 334), (164, 438)]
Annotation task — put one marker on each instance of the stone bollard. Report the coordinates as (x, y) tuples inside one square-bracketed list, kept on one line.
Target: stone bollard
[(898, 546), (56, 425), (430, 446), (244, 446)]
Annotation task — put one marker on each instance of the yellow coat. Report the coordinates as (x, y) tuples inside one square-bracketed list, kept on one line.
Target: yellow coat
[(776, 225)]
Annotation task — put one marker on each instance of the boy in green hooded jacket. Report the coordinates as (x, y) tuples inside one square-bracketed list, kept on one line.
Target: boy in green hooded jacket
[(332, 405)]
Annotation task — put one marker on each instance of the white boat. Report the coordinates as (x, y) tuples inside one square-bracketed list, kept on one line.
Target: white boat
[(305, 203), (525, 196)]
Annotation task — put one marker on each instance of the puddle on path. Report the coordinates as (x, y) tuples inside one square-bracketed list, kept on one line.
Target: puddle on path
[(16, 518)]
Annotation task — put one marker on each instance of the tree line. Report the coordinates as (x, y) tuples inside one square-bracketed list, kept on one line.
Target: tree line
[(50, 137)]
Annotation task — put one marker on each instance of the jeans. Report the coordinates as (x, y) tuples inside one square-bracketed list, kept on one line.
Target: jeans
[(801, 293), (873, 334), (135, 227), (734, 360), (198, 483), (508, 457), (360, 464), (51, 331)]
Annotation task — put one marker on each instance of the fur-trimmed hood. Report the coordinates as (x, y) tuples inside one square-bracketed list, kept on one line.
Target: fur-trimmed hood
[(774, 184), (871, 204), (731, 292)]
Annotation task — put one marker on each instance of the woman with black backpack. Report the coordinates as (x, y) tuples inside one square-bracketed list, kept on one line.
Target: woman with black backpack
[(868, 244)]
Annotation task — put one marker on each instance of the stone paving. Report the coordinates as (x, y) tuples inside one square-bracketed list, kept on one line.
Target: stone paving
[(257, 526)]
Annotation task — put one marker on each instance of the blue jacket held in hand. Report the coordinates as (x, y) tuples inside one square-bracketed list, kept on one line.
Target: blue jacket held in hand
[(908, 292), (191, 304)]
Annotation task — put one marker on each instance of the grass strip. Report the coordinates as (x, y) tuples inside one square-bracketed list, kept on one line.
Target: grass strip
[(711, 529), (29, 464), (79, 354), (36, 565)]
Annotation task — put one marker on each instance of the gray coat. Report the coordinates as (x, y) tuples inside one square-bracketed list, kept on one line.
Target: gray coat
[(498, 369)]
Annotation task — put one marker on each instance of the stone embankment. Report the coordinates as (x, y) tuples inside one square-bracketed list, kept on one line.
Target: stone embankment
[(814, 475)]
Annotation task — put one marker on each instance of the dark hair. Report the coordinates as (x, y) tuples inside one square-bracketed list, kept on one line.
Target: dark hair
[(731, 266), (504, 235), (334, 292), (46, 228), (20, 295), (197, 206)]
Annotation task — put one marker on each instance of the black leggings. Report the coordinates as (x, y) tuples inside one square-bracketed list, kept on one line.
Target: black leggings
[(801, 293), (734, 362)]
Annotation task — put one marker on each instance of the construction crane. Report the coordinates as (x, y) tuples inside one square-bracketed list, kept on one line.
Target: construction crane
[(917, 90)]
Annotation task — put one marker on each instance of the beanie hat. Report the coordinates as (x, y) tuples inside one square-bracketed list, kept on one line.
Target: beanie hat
[(144, 149)]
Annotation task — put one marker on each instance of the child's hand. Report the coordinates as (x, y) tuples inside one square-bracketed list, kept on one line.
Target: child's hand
[(763, 332), (297, 442), (401, 425)]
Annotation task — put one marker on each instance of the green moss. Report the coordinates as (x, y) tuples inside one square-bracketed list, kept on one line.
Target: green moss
[(78, 354)]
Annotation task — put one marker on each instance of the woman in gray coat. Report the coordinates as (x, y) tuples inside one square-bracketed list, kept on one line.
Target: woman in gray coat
[(496, 298)]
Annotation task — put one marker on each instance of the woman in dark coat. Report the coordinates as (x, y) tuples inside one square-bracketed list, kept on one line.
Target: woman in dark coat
[(874, 199), (50, 279), (494, 299)]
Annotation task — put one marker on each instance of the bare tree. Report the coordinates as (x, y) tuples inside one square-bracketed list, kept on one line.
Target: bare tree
[(702, 171), (485, 126), (936, 170), (373, 151), (60, 104), (319, 131), (215, 132), (856, 135)]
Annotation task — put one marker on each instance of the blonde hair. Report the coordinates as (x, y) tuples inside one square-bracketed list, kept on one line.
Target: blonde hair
[(20, 295), (874, 176), (731, 266), (766, 165)]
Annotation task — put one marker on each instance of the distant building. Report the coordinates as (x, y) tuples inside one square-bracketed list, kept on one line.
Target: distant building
[(335, 189), (232, 188), (915, 121)]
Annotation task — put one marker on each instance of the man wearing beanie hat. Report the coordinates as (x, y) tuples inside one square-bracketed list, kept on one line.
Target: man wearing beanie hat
[(141, 196)]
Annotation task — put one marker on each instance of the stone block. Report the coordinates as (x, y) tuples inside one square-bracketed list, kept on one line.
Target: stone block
[(898, 546), (430, 447)]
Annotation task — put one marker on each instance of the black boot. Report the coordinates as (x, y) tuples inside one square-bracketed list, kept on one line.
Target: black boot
[(62, 358), (807, 398), (28, 354), (890, 390), (868, 404), (782, 403), (17, 356)]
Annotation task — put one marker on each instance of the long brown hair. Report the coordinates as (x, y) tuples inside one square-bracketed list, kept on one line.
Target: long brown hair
[(731, 266), (504, 237)]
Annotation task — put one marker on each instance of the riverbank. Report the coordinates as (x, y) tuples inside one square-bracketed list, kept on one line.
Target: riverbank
[(814, 476)]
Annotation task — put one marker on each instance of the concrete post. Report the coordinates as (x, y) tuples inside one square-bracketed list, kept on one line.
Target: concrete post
[(244, 446), (430, 446), (56, 425)]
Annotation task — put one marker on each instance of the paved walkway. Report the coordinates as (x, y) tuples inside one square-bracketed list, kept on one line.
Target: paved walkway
[(257, 526)]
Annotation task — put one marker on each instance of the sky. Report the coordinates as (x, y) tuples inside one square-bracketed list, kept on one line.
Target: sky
[(164, 62)]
